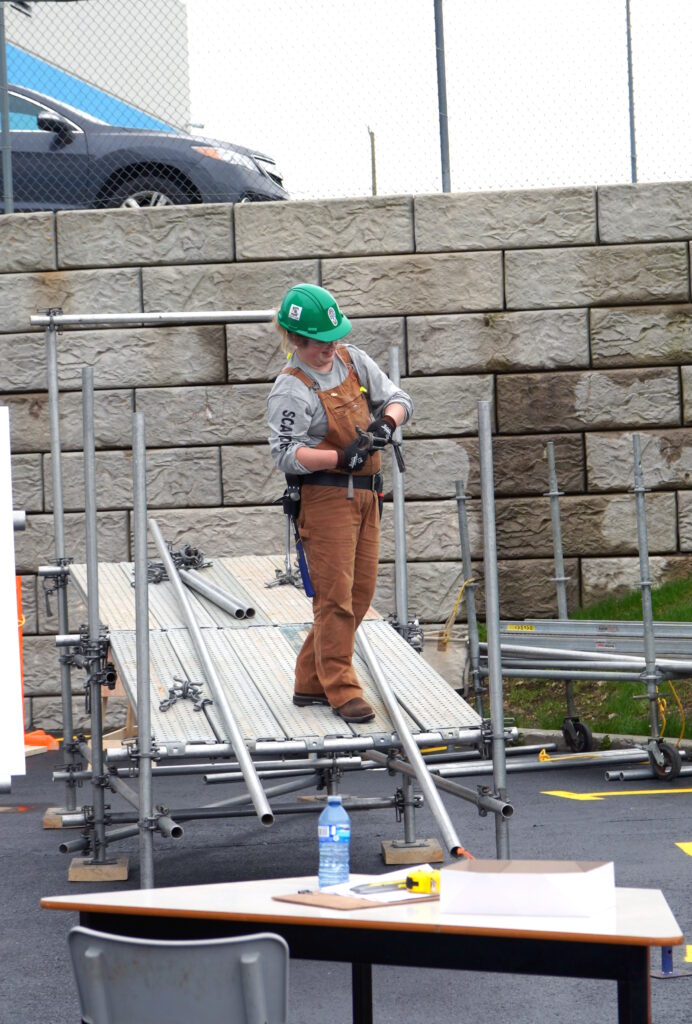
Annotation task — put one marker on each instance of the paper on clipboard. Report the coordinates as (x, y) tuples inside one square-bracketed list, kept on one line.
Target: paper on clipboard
[(342, 897)]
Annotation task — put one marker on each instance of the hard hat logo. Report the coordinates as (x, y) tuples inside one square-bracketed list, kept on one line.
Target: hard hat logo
[(294, 312), (332, 315)]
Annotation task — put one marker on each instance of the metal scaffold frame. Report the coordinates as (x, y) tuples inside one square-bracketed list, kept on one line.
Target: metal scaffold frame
[(569, 650), (145, 759)]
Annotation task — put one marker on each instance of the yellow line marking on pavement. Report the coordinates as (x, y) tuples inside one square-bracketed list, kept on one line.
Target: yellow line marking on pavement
[(686, 848), (567, 795), (688, 955)]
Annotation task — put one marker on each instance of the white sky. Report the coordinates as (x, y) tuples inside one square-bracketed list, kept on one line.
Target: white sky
[(536, 89)]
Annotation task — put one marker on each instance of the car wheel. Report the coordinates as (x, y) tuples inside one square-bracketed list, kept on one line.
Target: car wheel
[(148, 191)]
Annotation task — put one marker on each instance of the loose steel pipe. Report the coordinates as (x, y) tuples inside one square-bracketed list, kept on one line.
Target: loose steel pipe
[(146, 792), (276, 773), (223, 316), (482, 801), (650, 677), (259, 799), (626, 774), (517, 764), (408, 743), (216, 595), (560, 579), (18, 521), (492, 619)]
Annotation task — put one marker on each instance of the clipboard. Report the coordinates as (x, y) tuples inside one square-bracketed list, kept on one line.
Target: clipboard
[(334, 901)]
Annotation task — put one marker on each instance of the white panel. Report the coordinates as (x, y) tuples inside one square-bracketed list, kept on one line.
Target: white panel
[(11, 710)]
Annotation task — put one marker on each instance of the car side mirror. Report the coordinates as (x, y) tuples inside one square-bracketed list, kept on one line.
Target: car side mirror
[(49, 122)]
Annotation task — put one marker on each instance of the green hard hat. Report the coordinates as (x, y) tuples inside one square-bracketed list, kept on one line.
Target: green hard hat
[(313, 312)]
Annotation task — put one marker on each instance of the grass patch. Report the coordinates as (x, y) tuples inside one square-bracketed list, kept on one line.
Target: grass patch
[(611, 707)]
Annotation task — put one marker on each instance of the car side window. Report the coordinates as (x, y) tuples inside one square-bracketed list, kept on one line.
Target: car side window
[(24, 114)]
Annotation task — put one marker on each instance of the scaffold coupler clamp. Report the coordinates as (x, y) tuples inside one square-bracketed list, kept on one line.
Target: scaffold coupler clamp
[(54, 578), (412, 632)]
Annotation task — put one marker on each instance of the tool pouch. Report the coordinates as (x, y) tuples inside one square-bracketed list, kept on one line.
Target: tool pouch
[(290, 499)]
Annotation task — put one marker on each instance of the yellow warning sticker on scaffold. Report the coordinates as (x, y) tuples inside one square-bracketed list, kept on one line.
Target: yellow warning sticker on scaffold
[(520, 627)]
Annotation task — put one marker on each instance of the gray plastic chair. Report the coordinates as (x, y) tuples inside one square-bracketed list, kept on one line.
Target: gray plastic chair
[(125, 980)]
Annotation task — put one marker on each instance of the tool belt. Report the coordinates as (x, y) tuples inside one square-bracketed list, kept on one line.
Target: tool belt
[(361, 483)]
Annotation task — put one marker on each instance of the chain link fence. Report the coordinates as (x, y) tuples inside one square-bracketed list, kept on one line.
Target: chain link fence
[(126, 102)]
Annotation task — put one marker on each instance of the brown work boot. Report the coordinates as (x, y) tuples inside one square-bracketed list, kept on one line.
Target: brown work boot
[(304, 700), (355, 710)]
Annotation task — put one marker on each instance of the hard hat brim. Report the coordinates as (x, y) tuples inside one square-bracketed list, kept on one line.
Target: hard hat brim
[(326, 336)]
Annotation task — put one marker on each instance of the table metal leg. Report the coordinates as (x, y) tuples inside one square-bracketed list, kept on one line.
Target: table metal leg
[(361, 975), (634, 989)]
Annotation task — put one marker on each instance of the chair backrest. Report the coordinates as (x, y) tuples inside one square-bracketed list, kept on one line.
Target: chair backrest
[(125, 980)]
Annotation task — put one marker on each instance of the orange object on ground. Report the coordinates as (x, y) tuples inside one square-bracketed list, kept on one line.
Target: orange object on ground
[(37, 737)]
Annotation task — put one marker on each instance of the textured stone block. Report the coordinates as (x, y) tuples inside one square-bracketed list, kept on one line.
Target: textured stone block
[(609, 577), (77, 291), (655, 211), (29, 605), (520, 466), (36, 545), (534, 340), (30, 420), (596, 275), (397, 285), (27, 242), (249, 476), (46, 713), (591, 399), (144, 356), (160, 234), (505, 220), (325, 227), (23, 361), (651, 336), (666, 460), (254, 352), (224, 286), (446, 405), (686, 374), (27, 483), (42, 668), (224, 531), (590, 524), (685, 520), (176, 478), (432, 531), (525, 586), (211, 415)]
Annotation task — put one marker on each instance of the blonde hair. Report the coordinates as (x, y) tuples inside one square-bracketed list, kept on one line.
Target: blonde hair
[(289, 341)]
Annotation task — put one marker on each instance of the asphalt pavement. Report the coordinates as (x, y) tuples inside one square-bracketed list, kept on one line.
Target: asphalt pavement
[(635, 824)]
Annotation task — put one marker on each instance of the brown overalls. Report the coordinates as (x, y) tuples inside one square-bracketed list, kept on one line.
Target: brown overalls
[(341, 542)]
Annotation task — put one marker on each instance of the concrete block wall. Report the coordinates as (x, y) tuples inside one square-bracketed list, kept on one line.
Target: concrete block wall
[(569, 309)]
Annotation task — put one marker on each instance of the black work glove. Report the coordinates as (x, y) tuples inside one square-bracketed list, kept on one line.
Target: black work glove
[(354, 456), (382, 430)]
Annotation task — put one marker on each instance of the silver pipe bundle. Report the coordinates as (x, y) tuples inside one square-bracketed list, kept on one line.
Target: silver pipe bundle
[(218, 596)]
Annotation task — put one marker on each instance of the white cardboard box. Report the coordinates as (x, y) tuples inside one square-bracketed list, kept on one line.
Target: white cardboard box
[(534, 888)]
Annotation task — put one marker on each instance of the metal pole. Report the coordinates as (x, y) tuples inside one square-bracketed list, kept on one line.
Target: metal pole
[(59, 534), (442, 94), (373, 165), (408, 743), (146, 793), (254, 786), (228, 316), (560, 578), (469, 596), (218, 596), (492, 618), (400, 582), (651, 676), (630, 95), (93, 657), (7, 186)]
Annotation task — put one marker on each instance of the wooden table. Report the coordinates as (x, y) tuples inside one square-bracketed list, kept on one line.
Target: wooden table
[(612, 946)]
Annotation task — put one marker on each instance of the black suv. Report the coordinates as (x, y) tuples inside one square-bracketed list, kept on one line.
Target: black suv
[(64, 159)]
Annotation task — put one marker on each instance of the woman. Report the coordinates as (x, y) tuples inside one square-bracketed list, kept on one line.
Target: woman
[(318, 401)]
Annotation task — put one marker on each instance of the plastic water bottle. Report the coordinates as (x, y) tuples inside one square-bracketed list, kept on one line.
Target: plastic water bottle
[(334, 833)]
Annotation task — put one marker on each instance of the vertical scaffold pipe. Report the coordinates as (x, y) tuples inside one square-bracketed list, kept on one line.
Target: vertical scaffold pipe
[(146, 796), (651, 673), (94, 626), (492, 618), (257, 794), (560, 579), (469, 596), (400, 582), (59, 532), (411, 750)]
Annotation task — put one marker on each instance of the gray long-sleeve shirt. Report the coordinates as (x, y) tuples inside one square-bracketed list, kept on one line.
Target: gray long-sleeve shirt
[(296, 416)]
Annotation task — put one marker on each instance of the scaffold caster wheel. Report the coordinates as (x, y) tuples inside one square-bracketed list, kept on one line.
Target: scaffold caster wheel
[(577, 736), (672, 762)]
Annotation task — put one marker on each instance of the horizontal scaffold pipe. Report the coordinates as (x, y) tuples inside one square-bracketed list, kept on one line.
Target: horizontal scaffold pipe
[(221, 598), (214, 316)]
